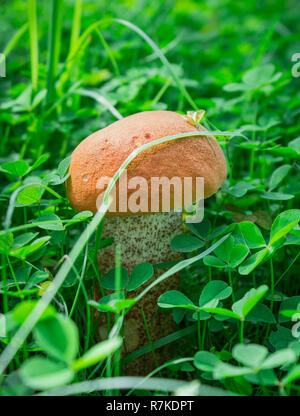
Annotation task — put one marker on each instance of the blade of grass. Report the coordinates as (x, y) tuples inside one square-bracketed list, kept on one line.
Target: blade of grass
[(109, 52), (149, 337), (14, 40), (79, 284), (107, 22), (159, 368), (163, 59), (4, 281), (121, 383), (76, 24), (287, 270), (102, 100), (174, 336), (13, 198), (126, 383), (54, 45), (180, 266), (117, 286), (33, 37)]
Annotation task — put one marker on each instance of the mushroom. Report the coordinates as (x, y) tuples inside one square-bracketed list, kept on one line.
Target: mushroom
[(143, 235)]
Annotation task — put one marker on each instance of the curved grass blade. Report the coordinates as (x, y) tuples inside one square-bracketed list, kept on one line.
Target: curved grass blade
[(162, 58), (19, 337), (12, 43), (106, 22), (54, 44), (102, 100)]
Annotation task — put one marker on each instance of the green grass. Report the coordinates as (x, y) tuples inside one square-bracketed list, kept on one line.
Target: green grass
[(79, 70), (34, 49)]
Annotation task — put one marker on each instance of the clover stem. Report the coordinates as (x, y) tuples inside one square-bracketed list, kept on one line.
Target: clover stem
[(199, 330), (149, 337), (4, 281), (229, 161), (209, 273), (254, 279), (272, 283), (231, 284), (242, 331), (252, 158), (203, 335)]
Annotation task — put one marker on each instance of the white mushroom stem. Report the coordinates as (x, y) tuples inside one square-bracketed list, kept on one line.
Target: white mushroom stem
[(142, 238)]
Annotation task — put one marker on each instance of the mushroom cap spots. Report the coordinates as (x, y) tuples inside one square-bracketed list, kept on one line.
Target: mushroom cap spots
[(102, 153)]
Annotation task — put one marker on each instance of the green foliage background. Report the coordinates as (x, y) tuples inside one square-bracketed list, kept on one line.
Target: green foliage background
[(239, 304)]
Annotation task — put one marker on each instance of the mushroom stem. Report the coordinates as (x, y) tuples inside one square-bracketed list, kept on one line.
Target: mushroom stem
[(143, 238)]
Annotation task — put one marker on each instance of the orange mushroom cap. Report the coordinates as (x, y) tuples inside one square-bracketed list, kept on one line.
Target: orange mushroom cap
[(102, 153)]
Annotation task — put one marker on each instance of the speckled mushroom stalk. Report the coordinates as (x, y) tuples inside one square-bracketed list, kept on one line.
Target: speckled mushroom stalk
[(144, 237)]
